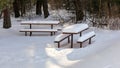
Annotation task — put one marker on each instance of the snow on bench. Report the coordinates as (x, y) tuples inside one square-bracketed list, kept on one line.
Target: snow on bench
[(86, 37), (38, 30), (60, 38)]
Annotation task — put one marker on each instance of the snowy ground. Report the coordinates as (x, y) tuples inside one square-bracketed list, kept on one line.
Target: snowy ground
[(39, 51)]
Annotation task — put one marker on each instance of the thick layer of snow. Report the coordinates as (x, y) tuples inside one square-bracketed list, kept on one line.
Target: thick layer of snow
[(75, 28), (40, 22), (86, 36), (38, 30), (39, 51), (61, 36)]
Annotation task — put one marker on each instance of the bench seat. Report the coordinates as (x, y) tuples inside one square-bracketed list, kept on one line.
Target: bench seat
[(37, 30), (86, 37), (60, 38)]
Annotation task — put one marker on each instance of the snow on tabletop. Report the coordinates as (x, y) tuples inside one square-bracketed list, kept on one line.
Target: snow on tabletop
[(75, 28), (34, 21)]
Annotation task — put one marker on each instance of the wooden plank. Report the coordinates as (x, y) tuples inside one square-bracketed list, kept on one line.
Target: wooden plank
[(86, 36), (40, 22), (38, 30), (75, 29), (61, 37)]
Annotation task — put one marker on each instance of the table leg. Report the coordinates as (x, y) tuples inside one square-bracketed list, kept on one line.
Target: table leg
[(51, 28), (71, 40)]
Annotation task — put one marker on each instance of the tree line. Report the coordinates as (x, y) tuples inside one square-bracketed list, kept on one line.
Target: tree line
[(81, 8), (96, 8), (20, 8)]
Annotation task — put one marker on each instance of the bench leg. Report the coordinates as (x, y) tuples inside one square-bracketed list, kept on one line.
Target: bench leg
[(30, 33), (58, 44), (25, 33), (90, 41), (71, 40), (54, 33), (68, 39), (80, 33), (51, 33), (80, 44)]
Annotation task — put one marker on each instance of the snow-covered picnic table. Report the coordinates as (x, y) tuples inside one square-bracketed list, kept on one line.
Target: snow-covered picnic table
[(30, 23), (74, 29), (40, 23)]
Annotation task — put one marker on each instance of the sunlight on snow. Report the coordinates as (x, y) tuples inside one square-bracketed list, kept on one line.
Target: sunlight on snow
[(61, 55), (49, 64)]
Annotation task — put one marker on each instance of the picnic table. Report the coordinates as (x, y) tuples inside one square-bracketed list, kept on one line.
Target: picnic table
[(30, 23), (40, 23), (74, 29)]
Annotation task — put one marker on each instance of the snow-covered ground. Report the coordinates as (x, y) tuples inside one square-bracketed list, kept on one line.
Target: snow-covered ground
[(39, 50)]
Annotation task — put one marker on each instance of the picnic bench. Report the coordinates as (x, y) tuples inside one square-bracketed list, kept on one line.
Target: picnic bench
[(59, 38), (38, 30), (75, 29), (86, 37)]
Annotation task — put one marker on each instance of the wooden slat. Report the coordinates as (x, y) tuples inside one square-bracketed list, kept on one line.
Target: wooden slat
[(61, 37), (40, 22), (38, 30)]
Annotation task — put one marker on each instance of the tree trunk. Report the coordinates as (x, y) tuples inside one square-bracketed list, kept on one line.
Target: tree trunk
[(16, 9), (22, 7), (79, 11), (38, 7), (39, 4), (6, 16), (100, 8), (45, 8), (109, 8)]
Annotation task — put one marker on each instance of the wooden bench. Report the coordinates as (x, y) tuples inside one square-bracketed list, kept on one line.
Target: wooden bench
[(86, 37), (38, 30), (61, 37)]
